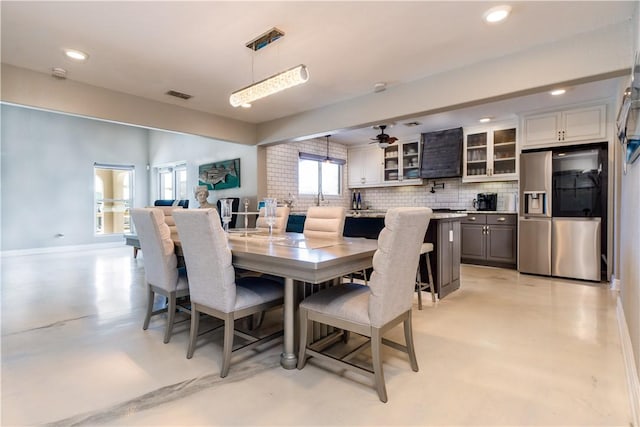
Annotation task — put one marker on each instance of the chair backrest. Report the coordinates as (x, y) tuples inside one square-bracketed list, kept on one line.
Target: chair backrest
[(160, 261), (235, 204), (282, 217), (208, 258), (172, 202), (324, 221), (168, 219), (395, 263)]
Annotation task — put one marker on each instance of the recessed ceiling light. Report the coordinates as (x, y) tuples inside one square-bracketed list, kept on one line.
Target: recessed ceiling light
[(485, 120), (497, 14), (76, 55), (558, 92)]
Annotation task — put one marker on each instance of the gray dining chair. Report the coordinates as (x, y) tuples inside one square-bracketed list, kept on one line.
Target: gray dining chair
[(214, 288), (373, 310), (324, 222), (282, 217), (161, 270)]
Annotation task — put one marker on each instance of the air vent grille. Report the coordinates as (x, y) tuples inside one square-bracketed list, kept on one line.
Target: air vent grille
[(179, 94), (412, 124)]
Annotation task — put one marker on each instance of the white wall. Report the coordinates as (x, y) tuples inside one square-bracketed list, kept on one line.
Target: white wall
[(47, 172), (167, 147), (282, 172), (455, 194), (630, 241), (47, 175)]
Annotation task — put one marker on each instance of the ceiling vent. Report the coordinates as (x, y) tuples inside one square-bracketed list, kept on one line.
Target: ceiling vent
[(265, 39), (59, 73), (179, 94), (412, 124)]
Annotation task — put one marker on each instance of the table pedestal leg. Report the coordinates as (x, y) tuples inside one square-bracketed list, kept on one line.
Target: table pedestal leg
[(288, 358)]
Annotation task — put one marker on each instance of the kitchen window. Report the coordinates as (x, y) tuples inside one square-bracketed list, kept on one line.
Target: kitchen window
[(319, 175)]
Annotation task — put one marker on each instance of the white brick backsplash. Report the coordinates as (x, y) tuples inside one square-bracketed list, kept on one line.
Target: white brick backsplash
[(282, 180)]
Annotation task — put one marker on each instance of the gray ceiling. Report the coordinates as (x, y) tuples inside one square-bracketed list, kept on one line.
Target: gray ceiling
[(148, 48)]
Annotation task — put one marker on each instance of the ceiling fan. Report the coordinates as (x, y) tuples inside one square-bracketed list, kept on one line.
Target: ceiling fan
[(383, 139)]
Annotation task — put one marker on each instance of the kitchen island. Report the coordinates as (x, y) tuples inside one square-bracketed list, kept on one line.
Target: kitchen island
[(443, 231)]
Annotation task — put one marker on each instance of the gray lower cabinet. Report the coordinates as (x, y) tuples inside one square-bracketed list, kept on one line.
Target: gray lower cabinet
[(445, 258), (490, 239)]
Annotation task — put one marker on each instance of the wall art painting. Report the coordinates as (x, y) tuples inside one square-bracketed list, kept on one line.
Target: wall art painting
[(220, 175)]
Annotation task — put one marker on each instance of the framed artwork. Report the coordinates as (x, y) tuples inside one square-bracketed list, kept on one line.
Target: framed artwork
[(220, 175)]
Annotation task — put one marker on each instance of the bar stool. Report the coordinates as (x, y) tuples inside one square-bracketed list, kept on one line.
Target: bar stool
[(420, 285)]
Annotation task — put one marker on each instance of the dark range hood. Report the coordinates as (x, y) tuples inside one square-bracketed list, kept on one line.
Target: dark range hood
[(442, 154)]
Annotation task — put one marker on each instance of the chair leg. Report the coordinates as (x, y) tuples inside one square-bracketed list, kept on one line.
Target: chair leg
[(432, 286), (376, 344), (193, 333), (171, 316), (150, 298), (419, 286), (228, 344), (364, 274), (408, 339), (305, 331)]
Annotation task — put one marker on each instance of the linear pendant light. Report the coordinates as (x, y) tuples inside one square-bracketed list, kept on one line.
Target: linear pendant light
[(274, 84)]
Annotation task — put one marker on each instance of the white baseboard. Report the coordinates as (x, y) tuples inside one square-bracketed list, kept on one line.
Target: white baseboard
[(633, 382), (55, 249), (614, 285)]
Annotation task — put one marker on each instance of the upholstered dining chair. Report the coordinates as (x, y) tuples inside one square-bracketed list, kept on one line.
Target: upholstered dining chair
[(214, 288), (373, 310), (161, 270), (282, 217), (324, 222)]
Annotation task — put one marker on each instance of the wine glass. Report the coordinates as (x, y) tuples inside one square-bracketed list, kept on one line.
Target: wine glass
[(225, 207), (270, 213)]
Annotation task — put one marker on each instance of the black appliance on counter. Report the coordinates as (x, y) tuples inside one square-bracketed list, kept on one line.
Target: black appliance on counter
[(486, 201), (441, 154)]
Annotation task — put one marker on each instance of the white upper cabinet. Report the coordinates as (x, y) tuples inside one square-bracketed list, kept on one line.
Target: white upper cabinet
[(583, 124), (490, 153), (402, 163), (364, 166), (397, 164)]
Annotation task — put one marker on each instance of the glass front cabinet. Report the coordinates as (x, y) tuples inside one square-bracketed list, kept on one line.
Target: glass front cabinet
[(402, 163), (490, 153)]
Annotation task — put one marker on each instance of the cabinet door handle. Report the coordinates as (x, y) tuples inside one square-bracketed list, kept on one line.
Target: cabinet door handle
[(473, 218), (502, 219), (451, 235)]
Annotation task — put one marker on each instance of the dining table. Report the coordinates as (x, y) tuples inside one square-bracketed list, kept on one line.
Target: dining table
[(298, 260)]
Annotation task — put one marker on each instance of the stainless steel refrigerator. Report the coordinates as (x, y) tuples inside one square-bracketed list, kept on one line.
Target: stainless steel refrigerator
[(562, 211)]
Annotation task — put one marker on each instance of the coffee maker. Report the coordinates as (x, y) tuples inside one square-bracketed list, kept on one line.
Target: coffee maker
[(486, 201)]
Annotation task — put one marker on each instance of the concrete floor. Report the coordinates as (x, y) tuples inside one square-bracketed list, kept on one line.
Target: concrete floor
[(504, 350)]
